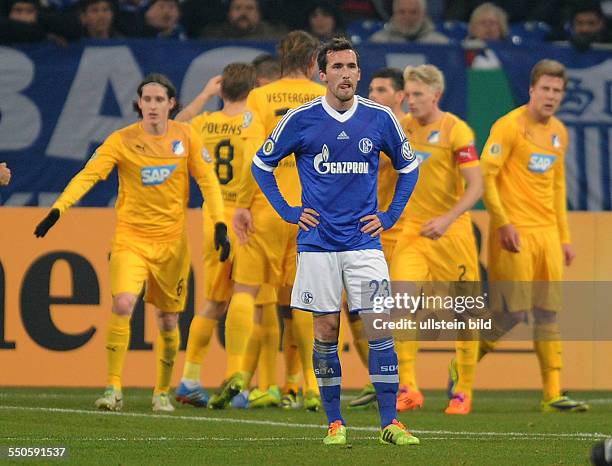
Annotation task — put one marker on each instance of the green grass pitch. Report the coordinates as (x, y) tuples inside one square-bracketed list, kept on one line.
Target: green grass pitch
[(505, 427)]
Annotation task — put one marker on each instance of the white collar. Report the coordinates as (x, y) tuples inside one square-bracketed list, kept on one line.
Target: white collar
[(335, 114)]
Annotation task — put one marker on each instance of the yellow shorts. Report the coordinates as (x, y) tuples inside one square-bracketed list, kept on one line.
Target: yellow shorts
[(449, 259), (525, 275), (388, 244), (262, 259), (218, 282), (163, 266)]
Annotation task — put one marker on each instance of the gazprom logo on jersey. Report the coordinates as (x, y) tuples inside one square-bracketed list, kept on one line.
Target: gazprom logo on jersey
[(153, 176), (541, 163), (323, 166)]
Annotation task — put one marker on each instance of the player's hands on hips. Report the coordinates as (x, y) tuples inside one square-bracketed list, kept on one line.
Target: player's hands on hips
[(5, 174), (222, 241), (308, 218), (45, 225), (509, 238), (373, 225), (436, 227), (243, 224), (568, 254)]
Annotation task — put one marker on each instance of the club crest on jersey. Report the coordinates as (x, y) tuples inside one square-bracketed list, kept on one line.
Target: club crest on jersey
[(248, 118), (307, 297), (407, 152), (421, 156), (154, 176), (323, 166), (434, 137), (365, 145), (495, 149), (541, 163), (268, 147), (206, 155), (177, 147), (556, 142)]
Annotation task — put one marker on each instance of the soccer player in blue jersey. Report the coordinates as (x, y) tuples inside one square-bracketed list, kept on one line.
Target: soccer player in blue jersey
[(337, 140)]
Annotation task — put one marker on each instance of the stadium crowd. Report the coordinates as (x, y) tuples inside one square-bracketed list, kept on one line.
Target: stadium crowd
[(579, 22)]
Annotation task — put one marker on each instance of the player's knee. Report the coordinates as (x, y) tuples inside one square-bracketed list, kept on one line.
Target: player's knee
[(326, 329), (167, 321), (543, 317), (124, 303), (249, 289), (214, 309)]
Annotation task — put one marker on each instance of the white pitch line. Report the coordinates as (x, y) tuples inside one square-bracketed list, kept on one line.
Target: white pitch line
[(525, 435)]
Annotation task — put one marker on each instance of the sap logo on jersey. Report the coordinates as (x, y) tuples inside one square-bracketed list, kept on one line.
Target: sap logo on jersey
[(323, 166), (541, 163), (153, 176)]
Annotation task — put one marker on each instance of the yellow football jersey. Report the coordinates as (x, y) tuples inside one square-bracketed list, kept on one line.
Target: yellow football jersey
[(153, 179), (270, 103), (387, 179), (524, 171), (443, 148), (225, 139)]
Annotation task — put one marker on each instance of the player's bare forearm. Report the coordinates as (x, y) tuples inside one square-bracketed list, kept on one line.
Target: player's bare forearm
[(474, 187), (195, 106)]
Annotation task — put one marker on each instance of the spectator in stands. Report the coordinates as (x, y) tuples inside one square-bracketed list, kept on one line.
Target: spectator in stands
[(267, 69), (243, 21), (324, 21), (409, 23), (23, 23), (96, 17), (487, 23), (588, 25), (5, 174), (130, 17), (162, 20)]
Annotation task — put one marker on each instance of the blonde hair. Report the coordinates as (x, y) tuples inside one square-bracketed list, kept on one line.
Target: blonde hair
[(548, 67), (426, 74), (500, 14)]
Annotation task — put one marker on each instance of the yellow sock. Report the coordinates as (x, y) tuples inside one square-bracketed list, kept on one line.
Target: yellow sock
[(117, 341), (166, 348), (200, 332), (292, 357), (360, 342), (304, 337), (270, 341), (547, 344), (466, 351), (251, 355), (238, 327), (406, 359)]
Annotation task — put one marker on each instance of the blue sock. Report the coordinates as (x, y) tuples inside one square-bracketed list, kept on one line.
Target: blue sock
[(382, 362), (329, 375)]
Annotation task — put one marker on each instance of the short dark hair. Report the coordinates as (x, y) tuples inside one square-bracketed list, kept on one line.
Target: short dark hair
[(336, 44), (162, 80), (267, 66), (394, 74), (237, 81), (85, 4), (588, 6)]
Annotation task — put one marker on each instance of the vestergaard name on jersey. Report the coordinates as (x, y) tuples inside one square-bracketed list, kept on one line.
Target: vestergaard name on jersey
[(323, 166)]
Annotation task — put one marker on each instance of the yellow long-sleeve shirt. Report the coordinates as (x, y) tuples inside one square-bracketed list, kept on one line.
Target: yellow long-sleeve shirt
[(153, 179), (524, 173)]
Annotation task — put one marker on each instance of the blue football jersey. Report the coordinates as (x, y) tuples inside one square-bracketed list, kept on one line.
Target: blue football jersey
[(337, 156)]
